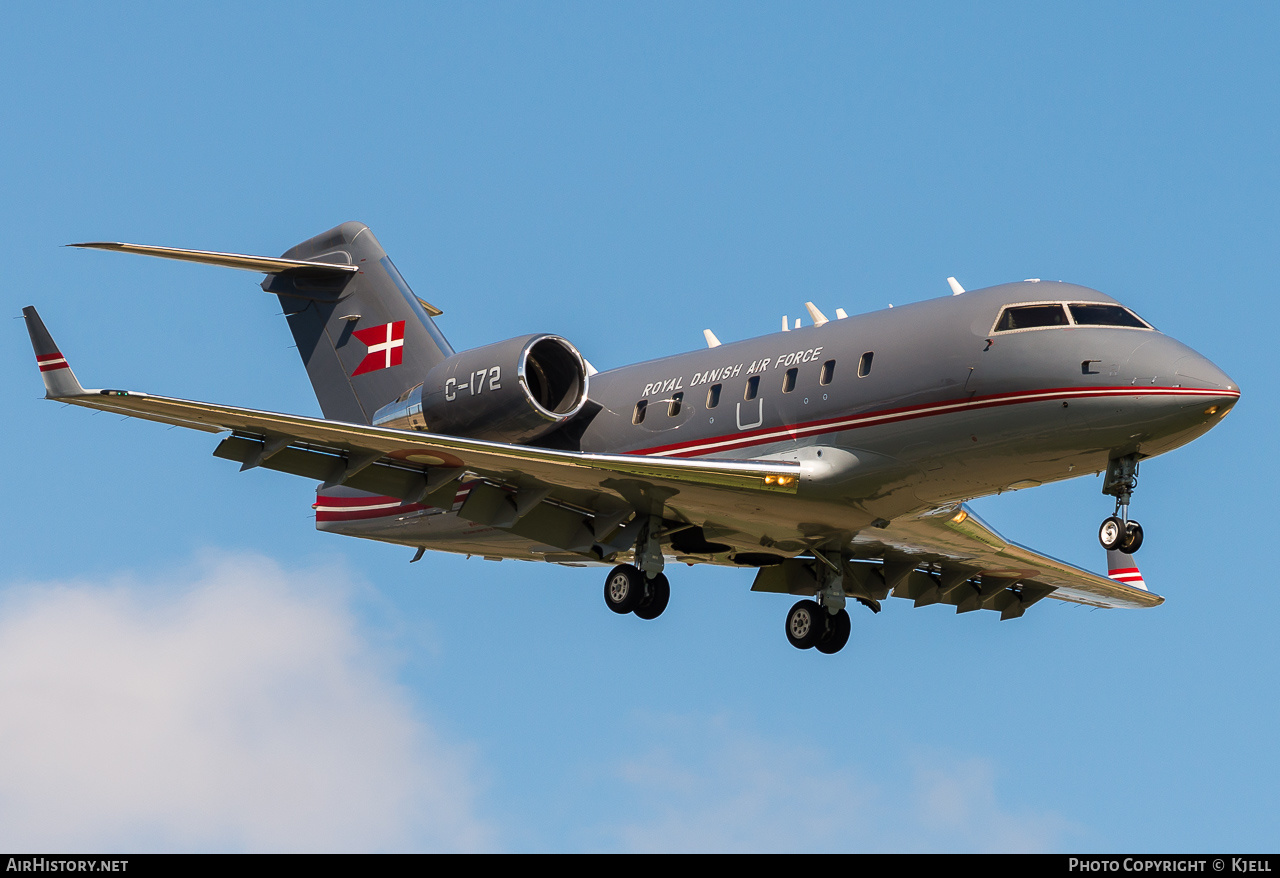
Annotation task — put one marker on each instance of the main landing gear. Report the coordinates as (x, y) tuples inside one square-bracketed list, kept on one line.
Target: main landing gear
[(641, 588), (810, 625), (1117, 531), (627, 590)]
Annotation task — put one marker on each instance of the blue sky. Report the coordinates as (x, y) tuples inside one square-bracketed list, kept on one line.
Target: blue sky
[(188, 665)]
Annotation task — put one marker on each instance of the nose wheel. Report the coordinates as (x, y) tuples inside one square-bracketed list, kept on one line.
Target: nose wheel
[(1117, 531)]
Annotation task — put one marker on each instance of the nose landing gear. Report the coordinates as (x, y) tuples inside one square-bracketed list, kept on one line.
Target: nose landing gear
[(1117, 531)]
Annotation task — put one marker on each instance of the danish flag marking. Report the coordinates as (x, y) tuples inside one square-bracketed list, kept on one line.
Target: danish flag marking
[(385, 344)]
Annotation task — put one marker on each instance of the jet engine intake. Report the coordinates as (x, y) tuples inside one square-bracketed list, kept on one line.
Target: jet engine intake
[(511, 391)]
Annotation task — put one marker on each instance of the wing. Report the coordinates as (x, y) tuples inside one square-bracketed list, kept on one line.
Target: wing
[(581, 502), (951, 556), (594, 505)]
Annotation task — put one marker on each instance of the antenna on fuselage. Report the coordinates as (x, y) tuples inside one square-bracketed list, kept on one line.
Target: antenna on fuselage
[(818, 317), (712, 341), (786, 327), (956, 289), (840, 314)]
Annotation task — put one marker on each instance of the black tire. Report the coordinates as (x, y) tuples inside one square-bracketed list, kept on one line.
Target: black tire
[(839, 627), (657, 594), (623, 589), (806, 624), (1111, 533), (1132, 541)]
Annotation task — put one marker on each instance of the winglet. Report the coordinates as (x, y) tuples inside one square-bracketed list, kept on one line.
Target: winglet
[(59, 380), (1122, 568)]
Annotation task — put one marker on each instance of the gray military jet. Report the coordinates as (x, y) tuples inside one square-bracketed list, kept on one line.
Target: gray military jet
[(834, 460)]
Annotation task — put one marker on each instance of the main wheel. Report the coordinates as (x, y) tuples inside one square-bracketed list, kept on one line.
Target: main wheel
[(657, 594), (1132, 538), (1112, 533), (839, 629), (806, 624), (623, 588)]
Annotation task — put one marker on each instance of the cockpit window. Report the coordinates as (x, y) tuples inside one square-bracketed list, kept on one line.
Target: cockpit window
[(1105, 315), (1031, 317)]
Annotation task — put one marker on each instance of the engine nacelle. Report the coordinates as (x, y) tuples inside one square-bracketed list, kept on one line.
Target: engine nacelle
[(511, 391)]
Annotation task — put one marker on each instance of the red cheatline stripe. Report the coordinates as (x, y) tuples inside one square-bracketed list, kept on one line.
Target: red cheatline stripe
[(729, 442)]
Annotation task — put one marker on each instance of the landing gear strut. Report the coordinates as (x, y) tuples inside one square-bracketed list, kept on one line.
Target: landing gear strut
[(642, 588), (1117, 531)]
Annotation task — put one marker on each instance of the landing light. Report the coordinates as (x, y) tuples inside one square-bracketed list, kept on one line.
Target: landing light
[(959, 517), (781, 481), (1211, 410)]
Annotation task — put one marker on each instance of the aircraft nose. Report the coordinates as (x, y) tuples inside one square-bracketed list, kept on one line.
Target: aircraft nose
[(1197, 371), (1164, 361)]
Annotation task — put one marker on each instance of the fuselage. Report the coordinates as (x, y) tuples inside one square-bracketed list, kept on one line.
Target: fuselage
[(909, 408)]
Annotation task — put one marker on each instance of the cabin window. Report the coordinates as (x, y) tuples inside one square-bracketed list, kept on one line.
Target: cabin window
[(829, 372), (713, 396), (753, 387), (789, 380), (1031, 317), (673, 405), (638, 416), (1105, 315), (864, 364)]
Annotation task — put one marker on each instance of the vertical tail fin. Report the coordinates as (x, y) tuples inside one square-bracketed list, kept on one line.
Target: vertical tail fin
[(364, 338)]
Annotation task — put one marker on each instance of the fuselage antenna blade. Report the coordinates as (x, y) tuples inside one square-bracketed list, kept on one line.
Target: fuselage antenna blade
[(818, 317), (956, 289)]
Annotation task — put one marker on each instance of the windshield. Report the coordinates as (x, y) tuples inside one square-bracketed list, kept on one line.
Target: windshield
[(1031, 317), (1046, 315), (1105, 315)]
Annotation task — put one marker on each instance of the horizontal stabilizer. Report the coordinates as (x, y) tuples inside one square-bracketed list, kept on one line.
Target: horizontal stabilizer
[(265, 264)]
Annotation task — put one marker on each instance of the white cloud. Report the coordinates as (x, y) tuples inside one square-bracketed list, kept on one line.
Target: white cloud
[(721, 788), (231, 707)]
